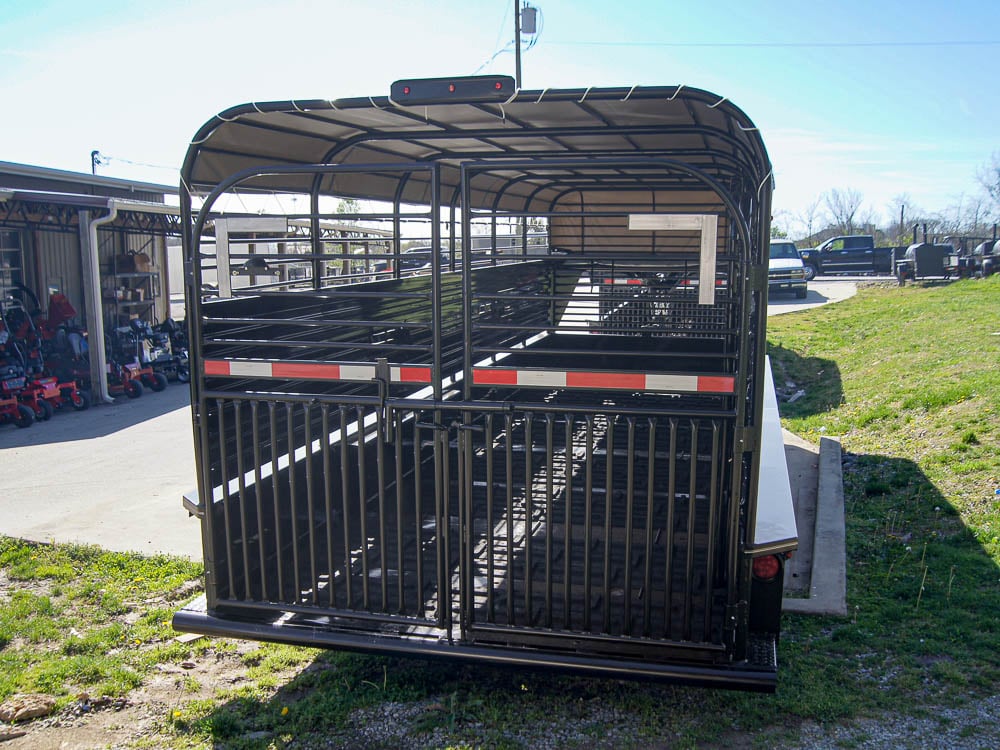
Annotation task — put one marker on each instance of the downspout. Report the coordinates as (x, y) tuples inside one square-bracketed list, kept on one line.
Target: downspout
[(95, 317)]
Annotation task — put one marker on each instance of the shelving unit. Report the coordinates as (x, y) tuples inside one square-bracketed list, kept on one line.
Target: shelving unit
[(11, 262), (129, 295)]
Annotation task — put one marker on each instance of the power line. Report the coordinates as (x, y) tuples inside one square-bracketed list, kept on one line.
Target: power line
[(782, 45)]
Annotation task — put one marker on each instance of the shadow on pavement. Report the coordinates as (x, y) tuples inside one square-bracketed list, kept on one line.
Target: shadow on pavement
[(98, 421)]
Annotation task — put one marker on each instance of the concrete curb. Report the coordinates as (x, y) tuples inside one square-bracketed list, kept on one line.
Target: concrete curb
[(828, 582)]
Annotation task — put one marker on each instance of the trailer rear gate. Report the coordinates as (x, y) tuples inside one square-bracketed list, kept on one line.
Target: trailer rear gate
[(544, 460)]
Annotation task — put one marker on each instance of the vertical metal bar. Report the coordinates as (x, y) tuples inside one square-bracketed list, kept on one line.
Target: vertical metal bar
[(668, 594), (490, 541), (241, 484), (647, 580), (437, 376), (568, 535), (331, 568), (713, 499), (629, 520), (509, 489), (418, 513), (258, 491), (528, 513), (689, 564), (224, 470), (588, 519), (466, 574), (345, 492), (383, 549), (279, 547), (293, 502), (609, 492), (397, 428), (442, 483), (311, 502), (549, 526), (363, 506)]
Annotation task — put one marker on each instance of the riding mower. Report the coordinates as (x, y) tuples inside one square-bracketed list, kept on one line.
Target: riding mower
[(41, 392), (12, 382), (127, 373)]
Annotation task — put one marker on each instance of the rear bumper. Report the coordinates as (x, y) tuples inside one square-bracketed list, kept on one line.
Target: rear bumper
[(759, 676)]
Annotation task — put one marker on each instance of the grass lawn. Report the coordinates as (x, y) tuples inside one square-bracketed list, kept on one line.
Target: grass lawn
[(910, 380)]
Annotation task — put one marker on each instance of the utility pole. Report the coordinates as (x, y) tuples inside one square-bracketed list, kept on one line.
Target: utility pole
[(95, 159), (529, 25), (517, 44)]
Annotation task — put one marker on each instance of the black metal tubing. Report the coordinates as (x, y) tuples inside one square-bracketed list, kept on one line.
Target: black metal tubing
[(194, 618), (473, 445)]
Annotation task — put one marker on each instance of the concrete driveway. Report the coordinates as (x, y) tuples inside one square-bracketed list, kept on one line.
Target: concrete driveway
[(111, 476)]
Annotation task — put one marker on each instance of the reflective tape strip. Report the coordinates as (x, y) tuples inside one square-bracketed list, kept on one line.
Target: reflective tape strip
[(250, 369), (633, 381), (716, 384), (357, 372), (687, 383), (309, 371), (628, 381), (624, 281), (305, 370), (404, 374)]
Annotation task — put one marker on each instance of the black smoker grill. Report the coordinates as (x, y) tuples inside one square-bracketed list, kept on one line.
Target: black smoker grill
[(543, 449)]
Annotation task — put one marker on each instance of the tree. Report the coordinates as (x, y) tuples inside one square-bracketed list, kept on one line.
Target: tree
[(843, 205), (989, 177), (809, 217)]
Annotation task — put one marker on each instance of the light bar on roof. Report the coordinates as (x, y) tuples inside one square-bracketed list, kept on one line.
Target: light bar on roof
[(457, 89)]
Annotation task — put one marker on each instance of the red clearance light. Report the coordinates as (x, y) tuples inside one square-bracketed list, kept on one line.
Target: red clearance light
[(766, 568), (449, 90)]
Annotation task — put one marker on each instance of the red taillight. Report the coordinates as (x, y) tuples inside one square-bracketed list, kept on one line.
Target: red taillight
[(406, 90), (451, 87), (498, 85), (766, 568)]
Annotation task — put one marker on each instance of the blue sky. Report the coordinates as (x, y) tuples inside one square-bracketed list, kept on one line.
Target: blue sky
[(886, 98)]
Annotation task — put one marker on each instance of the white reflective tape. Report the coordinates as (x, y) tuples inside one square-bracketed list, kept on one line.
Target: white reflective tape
[(541, 377), (250, 369), (357, 372), (672, 382)]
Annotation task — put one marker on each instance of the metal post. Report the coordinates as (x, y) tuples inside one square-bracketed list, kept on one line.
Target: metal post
[(517, 44)]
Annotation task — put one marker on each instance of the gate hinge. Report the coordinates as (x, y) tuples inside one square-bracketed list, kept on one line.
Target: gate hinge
[(735, 615)]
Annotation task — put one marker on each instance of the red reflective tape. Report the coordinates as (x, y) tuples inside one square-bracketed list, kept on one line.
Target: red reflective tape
[(716, 384), (415, 374), (620, 380), (306, 370), (490, 376), (216, 367), (634, 281)]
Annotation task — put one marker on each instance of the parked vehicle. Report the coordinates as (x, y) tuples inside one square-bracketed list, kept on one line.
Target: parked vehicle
[(848, 254), (785, 270), (985, 258), (571, 460)]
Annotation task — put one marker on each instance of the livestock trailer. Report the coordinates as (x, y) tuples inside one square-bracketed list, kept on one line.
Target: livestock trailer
[(547, 447)]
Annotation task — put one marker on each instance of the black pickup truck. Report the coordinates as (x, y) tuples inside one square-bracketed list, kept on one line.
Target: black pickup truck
[(847, 254)]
